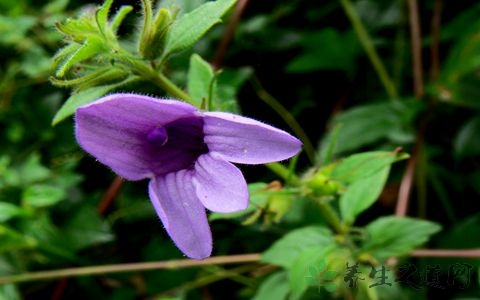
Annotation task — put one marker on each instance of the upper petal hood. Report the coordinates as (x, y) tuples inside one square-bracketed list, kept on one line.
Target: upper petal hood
[(114, 129), (244, 140)]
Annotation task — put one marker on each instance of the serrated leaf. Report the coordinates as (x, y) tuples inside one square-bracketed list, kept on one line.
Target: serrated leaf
[(329, 275), (312, 271), (275, 287), (395, 236), (286, 250), (200, 76), (331, 286), (311, 281), (41, 195), (322, 264), (190, 27), (362, 165), (361, 194)]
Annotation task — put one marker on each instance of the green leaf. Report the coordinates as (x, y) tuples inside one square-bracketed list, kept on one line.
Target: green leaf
[(33, 171), (326, 49), (467, 142), (55, 6), (322, 265), (190, 27), (41, 195), (8, 211), (331, 286), (92, 46), (81, 98), (200, 76), (287, 249), (361, 194), (229, 83), (13, 30), (309, 256), (361, 165), (119, 16), (312, 271), (87, 229), (395, 236), (258, 199), (311, 281), (12, 240), (9, 292), (275, 287), (101, 15), (366, 124), (329, 275)]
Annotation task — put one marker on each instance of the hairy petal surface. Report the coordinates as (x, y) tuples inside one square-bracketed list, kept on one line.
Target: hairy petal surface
[(219, 185), (115, 129), (243, 140), (184, 217)]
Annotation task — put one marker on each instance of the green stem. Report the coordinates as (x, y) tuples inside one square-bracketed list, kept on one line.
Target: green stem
[(131, 267), (172, 89), (283, 172), (331, 216), (369, 48), (286, 116), (218, 274), (148, 72)]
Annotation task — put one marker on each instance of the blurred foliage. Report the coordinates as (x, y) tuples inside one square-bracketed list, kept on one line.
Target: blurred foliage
[(308, 56)]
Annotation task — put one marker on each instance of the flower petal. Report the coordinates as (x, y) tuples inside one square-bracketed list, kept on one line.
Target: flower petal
[(114, 129), (220, 186), (184, 217), (244, 140)]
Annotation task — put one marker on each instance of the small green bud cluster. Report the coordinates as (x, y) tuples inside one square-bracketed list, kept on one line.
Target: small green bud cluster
[(319, 184), (95, 61)]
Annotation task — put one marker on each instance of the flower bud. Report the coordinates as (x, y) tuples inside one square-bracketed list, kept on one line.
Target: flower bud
[(321, 185), (154, 34)]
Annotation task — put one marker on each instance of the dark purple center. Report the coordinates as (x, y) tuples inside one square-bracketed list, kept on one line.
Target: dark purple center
[(175, 146), (158, 136)]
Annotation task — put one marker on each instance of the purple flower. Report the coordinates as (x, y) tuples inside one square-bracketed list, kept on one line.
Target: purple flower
[(185, 152)]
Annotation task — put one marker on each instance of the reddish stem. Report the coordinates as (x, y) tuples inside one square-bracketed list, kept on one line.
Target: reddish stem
[(110, 195), (228, 36)]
